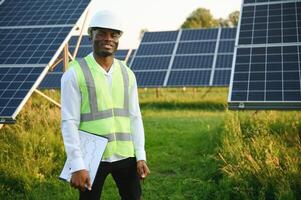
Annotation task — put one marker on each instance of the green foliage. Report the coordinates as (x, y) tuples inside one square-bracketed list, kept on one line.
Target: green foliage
[(261, 152), (234, 18), (196, 150), (202, 18), (223, 22), (31, 150)]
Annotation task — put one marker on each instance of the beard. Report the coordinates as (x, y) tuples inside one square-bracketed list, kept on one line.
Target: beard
[(103, 52)]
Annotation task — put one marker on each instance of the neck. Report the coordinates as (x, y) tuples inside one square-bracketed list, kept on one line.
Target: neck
[(104, 62)]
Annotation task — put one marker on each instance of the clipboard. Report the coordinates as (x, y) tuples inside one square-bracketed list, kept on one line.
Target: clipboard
[(92, 147)]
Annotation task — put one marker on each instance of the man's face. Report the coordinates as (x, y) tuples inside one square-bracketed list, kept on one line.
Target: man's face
[(105, 41)]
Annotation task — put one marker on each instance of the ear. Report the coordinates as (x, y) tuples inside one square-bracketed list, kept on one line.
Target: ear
[(91, 35)]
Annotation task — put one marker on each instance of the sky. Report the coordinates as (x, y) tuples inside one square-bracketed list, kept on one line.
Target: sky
[(158, 15)]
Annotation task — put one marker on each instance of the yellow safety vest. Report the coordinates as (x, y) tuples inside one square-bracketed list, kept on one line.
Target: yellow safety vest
[(105, 110)]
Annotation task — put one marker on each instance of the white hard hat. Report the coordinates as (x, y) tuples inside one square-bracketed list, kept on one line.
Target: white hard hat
[(105, 19)]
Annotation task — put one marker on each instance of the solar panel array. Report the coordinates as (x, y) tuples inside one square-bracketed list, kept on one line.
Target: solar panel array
[(267, 68), (187, 57), (31, 32), (53, 79)]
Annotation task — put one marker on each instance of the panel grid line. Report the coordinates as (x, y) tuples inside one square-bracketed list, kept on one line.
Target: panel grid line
[(172, 57), (298, 41), (215, 56)]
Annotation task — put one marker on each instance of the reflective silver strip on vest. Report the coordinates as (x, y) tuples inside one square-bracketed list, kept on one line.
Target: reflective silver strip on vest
[(118, 137), (90, 85), (94, 113)]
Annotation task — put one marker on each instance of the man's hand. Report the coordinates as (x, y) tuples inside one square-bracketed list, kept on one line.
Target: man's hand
[(142, 169), (80, 180)]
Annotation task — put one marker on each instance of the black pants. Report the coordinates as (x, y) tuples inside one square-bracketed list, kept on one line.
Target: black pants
[(125, 175)]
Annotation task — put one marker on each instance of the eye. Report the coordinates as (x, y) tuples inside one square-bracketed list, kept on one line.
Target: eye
[(115, 35), (100, 33)]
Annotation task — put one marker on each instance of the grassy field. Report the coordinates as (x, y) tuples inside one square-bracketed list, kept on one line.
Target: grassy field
[(196, 149)]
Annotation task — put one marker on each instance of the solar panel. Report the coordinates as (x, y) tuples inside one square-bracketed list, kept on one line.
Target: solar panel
[(150, 63), (150, 79), (221, 77), (30, 45), (163, 36), (53, 78), (188, 57), (156, 49), (153, 57), (52, 81), (32, 33), (267, 67), (190, 78), (15, 84), (121, 54), (40, 12)]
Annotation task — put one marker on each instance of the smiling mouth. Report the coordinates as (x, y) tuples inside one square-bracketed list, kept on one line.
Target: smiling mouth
[(106, 46)]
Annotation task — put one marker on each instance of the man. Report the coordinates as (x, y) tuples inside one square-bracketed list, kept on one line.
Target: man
[(99, 95)]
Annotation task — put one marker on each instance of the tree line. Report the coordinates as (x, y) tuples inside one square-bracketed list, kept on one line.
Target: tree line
[(202, 18)]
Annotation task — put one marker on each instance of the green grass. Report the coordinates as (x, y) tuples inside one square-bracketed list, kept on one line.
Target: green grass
[(196, 149), (262, 154)]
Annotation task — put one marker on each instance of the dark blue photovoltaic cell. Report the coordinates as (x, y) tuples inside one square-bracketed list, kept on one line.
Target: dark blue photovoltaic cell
[(224, 61), (82, 52), (150, 79), (51, 81), (190, 62), (163, 36), (262, 1), (30, 45), (251, 1), (149, 63), (121, 53), (228, 33), (197, 34), (84, 41), (85, 46), (58, 68), (226, 46), (189, 78), (221, 77), (15, 83), (40, 12), (155, 49), (196, 47)]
